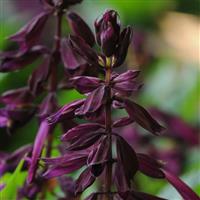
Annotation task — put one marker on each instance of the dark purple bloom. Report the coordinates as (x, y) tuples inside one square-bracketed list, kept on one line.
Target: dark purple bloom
[(71, 59), (93, 102), (9, 161), (150, 166), (84, 50), (12, 61), (84, 181), (80, 28), (90, 144), (99, 156), (39, 76), (108, 31), (65, 164), (29, 35), (122, 49), (48, 106), (18, 97), (86, 84), (126, 158), (125, 83), (142, 117), (81, 130), (65, 112), (12, 117)]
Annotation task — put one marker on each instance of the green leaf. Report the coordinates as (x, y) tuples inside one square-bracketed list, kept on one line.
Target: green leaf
[(13, 183)]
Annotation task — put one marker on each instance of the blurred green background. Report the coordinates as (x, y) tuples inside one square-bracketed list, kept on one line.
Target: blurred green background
[(168, 57)]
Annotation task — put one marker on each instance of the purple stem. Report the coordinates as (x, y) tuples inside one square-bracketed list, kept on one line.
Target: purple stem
[(108, 125)]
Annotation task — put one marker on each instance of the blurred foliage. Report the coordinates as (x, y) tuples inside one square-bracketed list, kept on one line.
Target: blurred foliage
[(13, 182)]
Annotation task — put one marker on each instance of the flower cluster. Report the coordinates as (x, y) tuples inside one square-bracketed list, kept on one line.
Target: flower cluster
[(97, 145), (39, 98)]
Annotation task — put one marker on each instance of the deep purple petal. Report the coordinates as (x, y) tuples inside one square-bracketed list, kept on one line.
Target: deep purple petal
[(80, 28), (21, 59), (122, 122), (71, 59), (99, 153), (125, 39), (67, 159), (81, 130), (121, 181), (142, 117), (126, 157), (12, 117), (60, 170), (84, 181), (67, 111), (99, 156), (17, 97), (93, 102), (84, 50), (84, 141), (150, 166), (29, 35), (48, 106), (185, 191), (86, 84), (39, 76), (127, 88), (126, 76), (107, 29), (41, 136)]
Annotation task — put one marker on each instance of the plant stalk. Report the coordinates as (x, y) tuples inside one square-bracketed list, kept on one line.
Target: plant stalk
[(108, 126)]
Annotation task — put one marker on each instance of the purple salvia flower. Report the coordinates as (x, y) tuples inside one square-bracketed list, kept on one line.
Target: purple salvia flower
[(80, 28), (29, 35), (39, 77), (142, 117), (95, 139), (66, 112), (66, 164), (84, 181), (108, 31), (12, 61), (71, 59)]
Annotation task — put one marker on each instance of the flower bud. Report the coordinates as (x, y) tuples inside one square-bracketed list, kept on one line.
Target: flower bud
[(107, 30)]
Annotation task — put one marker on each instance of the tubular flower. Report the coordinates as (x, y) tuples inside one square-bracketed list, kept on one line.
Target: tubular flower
[(90, 144)]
